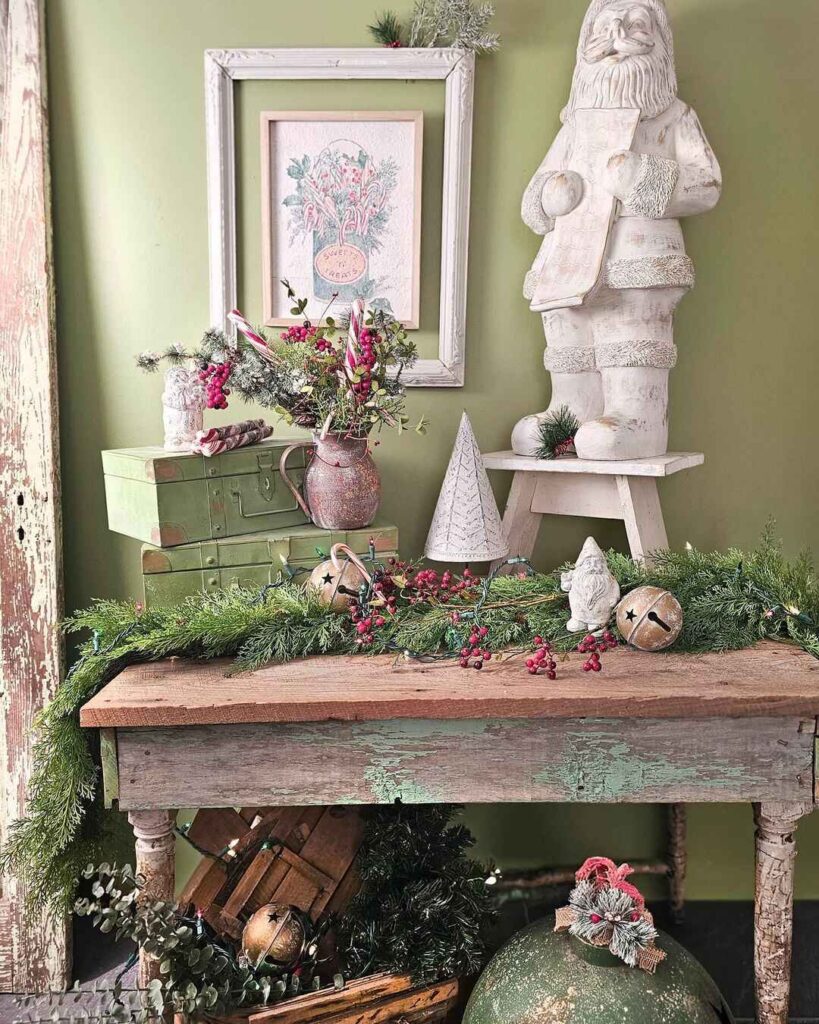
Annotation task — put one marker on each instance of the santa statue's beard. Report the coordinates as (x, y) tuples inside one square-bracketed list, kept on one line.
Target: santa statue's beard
[(592, 585), (644, 82)]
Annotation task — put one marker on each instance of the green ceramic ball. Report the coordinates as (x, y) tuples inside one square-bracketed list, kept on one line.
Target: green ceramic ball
[(541, 977)]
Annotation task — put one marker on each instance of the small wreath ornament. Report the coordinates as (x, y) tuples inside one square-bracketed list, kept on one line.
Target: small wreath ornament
[(649, 618)]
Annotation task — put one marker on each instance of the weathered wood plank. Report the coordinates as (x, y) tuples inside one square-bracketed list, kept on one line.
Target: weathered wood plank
[(480, 761), (766, 680), (34, 949), (108, 760), (659, 465), (318, 1005)]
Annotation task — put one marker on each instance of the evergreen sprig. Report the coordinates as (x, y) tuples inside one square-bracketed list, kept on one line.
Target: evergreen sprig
[(198, 975), (424, 904), (729, 599), (556, 433), (386, 29)]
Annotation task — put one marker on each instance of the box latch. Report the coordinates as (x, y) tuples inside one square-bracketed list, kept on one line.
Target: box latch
[(267, 476)]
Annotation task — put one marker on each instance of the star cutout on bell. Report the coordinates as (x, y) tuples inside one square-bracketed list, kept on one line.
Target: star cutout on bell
[(631, 615), (327, 578)]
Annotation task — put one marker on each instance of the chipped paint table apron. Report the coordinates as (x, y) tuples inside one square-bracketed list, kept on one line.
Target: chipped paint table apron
[(713, 728)]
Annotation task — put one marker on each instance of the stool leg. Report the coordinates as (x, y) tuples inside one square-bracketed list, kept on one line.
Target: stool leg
[(520, 523), (677, 858), (153, 831), (642, 515)]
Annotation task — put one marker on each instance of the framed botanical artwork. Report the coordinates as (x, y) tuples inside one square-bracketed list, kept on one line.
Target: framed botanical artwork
[(341, 211), (321, 239)]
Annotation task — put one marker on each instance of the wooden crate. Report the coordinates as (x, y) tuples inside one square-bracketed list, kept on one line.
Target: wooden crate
[(301, 856), (376, 999)]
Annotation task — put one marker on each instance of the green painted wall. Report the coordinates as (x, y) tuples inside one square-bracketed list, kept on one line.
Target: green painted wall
[(128, 158)]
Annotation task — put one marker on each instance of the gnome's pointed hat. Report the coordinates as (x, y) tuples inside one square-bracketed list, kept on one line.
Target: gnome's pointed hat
[(590, 549), (466, 526)]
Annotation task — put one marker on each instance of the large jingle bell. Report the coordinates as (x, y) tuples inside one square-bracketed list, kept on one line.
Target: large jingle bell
[(275, 933), (337, 581), (649, 618), (544, 977)]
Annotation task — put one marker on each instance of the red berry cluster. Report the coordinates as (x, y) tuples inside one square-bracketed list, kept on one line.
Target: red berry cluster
[(542, 658), (594, 647), (366, 622), (214, 377), (428, 586), (366, 361), (306, 332), (476, 651)]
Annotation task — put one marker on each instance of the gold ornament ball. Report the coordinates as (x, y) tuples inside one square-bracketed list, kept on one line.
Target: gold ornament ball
[(649, 618), (273, 933), (331, 583)]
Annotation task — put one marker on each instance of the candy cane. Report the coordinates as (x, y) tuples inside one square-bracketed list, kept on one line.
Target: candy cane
[(353, 335), (256, 340)]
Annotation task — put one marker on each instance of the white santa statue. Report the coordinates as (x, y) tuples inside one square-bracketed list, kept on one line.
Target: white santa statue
[(629, 161)]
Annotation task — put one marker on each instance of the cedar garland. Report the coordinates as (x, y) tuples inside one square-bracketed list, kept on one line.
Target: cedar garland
[(730, 600)]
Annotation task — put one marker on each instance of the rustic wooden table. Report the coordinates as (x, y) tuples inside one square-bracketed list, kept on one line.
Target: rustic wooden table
[(662, 728)]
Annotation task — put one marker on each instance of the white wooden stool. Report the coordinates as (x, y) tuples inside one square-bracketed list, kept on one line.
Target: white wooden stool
[(585, 487)]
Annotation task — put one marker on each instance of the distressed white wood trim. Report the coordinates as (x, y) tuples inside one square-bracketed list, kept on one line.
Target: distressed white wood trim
[(34, 946), (455, 67)]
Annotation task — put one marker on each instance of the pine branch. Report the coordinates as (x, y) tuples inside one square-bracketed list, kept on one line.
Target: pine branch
[(556, 434), (386, 29)]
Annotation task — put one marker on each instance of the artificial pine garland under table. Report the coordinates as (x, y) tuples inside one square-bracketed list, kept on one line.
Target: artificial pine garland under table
[(730, 600)]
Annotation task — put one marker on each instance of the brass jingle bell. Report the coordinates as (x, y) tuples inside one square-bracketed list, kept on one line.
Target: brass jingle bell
[(275, 933), (338, 580), (649, 618)]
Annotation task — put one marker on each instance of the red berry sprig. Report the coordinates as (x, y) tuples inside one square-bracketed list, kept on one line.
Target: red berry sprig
[(594, 647), (476, 650), (542, 658), (366, 623), (214, 377)]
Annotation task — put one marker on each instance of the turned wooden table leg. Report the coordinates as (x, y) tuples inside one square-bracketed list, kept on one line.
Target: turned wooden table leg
[(153, 832), (773, 907), (677, 857)]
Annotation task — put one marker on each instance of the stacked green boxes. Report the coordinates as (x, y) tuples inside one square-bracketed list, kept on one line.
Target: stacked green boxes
[(169, 498), (212, 522), (170, 574)]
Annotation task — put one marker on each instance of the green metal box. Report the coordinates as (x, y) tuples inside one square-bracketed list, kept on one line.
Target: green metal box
[(170, 498), (170, 574)]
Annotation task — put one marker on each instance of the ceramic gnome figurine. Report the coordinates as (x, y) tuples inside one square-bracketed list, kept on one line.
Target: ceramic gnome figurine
[(593, 591), (629, 161)]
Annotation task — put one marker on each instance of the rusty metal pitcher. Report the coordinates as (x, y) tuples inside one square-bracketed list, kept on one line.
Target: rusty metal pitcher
[(342, 488)]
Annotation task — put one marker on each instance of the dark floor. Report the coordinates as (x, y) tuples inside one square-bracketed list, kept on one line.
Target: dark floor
[(720, 935)]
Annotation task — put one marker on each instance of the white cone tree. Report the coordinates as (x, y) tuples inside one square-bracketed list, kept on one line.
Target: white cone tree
[(466, 526)]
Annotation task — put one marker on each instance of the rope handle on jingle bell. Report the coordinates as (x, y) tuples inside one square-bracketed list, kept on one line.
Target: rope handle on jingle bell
[(349, 556)]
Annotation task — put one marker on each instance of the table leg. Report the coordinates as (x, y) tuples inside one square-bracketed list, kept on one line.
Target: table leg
[(677, 857), (773, 907), (153, 832)]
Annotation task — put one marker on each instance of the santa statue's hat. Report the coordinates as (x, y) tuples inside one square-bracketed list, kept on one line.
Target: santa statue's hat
[(657, 8), (591, 549)]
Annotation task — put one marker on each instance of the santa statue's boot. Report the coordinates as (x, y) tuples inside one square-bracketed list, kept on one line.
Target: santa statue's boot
[(634, 424), (576, 384)]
